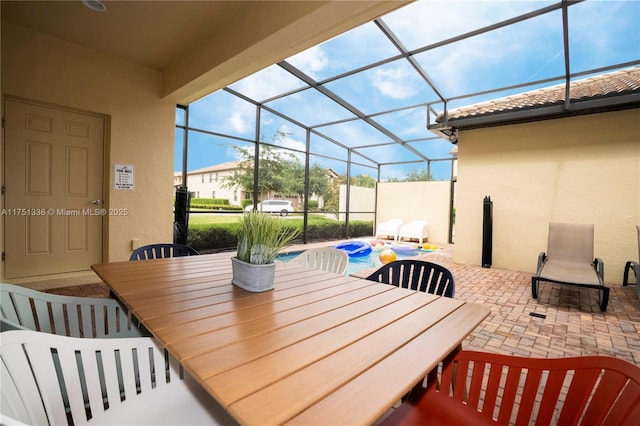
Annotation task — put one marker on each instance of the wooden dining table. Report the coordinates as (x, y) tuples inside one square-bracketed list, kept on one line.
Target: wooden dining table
[(321, 348)]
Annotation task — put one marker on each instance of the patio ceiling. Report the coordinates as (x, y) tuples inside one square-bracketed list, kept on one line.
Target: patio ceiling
[(377, 90)]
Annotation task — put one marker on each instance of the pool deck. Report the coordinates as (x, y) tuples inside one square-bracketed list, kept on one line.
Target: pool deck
[(572, 323)]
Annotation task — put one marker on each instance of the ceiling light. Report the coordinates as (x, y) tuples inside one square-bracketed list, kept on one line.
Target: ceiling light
[(96, 5)]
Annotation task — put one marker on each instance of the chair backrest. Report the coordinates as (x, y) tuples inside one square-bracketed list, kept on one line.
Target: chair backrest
[(325, 258), (391, 224), (417, 275), (25, 309), (50, 379), (417, 224), (161, 251), (570, 242), (596, 389)]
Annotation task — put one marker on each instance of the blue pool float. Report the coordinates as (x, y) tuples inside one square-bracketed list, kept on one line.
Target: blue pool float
[(407, 250), (355, 248)]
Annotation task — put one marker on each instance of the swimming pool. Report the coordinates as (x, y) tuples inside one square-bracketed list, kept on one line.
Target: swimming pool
[(356, 264)]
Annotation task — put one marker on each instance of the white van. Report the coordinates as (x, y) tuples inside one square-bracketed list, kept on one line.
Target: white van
[(283, 207)]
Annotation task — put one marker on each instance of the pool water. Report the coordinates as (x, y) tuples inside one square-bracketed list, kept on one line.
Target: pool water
[(356, 264)]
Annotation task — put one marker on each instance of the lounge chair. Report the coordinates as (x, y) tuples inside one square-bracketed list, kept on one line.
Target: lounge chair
[(417, 275), (633, 266), (326, 258), (479, 388), (416, 229), (51, 379), (390, 228), (569, 260), (25, 309), (160, 251)]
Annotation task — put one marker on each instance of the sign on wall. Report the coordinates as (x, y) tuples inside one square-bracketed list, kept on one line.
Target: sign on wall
[(124, 177)]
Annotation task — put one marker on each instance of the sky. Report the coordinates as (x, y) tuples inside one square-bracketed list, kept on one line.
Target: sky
[(602, 33)]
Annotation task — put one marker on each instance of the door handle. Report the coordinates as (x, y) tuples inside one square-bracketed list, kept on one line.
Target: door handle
[(96, 202)]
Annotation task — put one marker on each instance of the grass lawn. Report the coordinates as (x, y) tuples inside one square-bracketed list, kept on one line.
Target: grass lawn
[(215, 219), (208, 219)]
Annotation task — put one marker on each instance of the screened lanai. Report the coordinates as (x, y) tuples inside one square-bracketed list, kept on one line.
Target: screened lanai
[(373, 104)]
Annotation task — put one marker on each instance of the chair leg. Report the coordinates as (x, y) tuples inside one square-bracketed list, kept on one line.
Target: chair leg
[(604, 298), (628, 267), (534, 287)]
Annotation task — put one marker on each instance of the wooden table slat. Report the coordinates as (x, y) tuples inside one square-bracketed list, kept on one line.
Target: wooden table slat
[(242, 300), (360, 399), (245, 351), (280, 401), (280, 312), (236, 383)]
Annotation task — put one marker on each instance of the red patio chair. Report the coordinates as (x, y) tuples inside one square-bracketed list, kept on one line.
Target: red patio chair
[(478, 388)]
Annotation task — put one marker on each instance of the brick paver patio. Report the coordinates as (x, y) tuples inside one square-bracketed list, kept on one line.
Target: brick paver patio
[(571, 322)]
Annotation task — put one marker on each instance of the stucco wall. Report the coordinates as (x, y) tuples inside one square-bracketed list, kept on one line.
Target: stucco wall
[(360, 200), (140, 126), (409, 201), (582, 169)]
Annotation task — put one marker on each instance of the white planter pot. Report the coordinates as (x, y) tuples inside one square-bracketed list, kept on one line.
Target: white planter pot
[(250, 277)]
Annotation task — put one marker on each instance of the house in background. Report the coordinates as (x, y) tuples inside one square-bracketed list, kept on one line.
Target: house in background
[(210, 182)]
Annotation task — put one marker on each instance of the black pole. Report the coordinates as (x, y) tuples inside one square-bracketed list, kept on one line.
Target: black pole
[(487, 232)]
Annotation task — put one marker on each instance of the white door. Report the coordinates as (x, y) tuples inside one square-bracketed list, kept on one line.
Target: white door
[(53, 183)]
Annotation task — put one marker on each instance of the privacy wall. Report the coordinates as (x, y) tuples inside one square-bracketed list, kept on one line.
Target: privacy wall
[(583, 169), (429, 201)]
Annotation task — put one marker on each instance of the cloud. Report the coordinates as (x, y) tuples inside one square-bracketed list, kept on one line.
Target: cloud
[(311, 61), (267, 83), (239, 122), (396, 82), (482, 62)]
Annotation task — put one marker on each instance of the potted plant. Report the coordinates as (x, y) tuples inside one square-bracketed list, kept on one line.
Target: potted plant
[(260, 239)]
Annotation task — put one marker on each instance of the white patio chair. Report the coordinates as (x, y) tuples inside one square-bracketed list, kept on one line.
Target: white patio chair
[(51, 379), (25, 309), (325, 258), (389, 228), (416, 229)]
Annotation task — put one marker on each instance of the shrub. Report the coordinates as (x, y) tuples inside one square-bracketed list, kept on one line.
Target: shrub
[(223, 236), (216, 207), (221, 201)]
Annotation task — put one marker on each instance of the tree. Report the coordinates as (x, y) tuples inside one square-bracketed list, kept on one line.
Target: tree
[(332, 200), (413, 176), (279, 172)]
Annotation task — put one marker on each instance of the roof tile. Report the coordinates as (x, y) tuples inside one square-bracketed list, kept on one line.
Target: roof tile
[(611, 84)]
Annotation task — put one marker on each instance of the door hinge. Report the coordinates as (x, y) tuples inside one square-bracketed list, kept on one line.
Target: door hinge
[(4, 122), (4, 256), (3, 189)]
